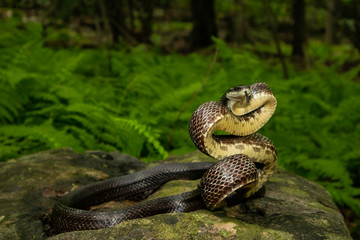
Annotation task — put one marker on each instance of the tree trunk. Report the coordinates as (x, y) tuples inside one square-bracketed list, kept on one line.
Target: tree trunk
[(273, 27), (350, 11), (131, 16), (203, 14), (115, 17), (238, 29), (145, 18), (329, 33), (356, 13), (106, 18), (298, 14)]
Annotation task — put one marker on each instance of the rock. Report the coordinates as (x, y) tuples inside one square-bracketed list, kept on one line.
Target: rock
[(292, 208)]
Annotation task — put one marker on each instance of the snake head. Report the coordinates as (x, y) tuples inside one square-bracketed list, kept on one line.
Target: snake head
[(244, 101), (239, 95)]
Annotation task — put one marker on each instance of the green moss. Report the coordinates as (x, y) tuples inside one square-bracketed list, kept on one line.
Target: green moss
[(252, 231), (224, 233), (157, 227), (320, 222), (320, 206), (333, 236), (204, 225), (295, 192), (175, 187), (281, 180)]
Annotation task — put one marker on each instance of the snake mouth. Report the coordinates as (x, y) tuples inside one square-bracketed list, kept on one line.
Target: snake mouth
[(252, 113)]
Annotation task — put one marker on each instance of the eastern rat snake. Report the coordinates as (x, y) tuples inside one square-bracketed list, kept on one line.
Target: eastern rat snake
[(247, 160)]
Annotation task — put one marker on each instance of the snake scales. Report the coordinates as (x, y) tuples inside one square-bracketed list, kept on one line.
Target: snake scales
[(247, 160)]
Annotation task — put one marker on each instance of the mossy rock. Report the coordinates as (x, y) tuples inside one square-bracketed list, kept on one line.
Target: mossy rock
[(292, 208)]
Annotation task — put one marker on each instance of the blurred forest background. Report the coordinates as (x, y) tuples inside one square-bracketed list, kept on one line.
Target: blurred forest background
[(127, 75)]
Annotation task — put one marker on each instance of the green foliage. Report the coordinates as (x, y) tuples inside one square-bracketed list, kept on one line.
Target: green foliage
[(46, 103), (130, 100), (316, 132)]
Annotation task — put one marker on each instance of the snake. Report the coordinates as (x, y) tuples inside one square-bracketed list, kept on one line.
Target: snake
[(224, 130)]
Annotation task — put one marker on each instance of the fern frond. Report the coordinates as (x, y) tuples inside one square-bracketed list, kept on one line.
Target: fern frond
[(150, 135)]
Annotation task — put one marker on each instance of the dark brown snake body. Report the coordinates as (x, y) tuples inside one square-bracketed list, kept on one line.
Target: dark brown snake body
[(247, 160)]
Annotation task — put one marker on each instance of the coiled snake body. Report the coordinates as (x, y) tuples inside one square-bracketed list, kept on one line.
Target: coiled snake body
[(247, 160)]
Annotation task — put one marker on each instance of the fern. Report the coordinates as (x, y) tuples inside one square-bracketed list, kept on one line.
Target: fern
[(150, 135)]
